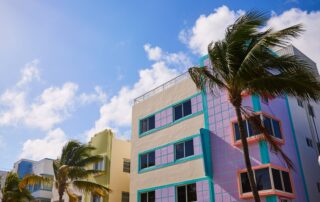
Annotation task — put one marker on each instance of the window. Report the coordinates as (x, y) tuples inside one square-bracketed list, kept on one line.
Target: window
[(125, 196), (271, 125), (300, 102), (147, 160), (95, 198), (280, 180), (99, 165), (147, 124), (310, 109), (318, 186), (182, 110), (309, 142), (126, 165), (184, 149), (148, 196), (265, 100), (187, 193)]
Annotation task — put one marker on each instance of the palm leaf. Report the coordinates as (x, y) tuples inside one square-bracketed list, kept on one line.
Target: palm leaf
[(91, 187), (33, 180)]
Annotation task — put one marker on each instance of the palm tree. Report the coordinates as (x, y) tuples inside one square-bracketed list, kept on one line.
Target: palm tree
[(243, 62), (11, 191), (70, 172)]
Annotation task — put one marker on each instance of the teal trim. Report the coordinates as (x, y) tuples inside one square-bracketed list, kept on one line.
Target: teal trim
[(297, 149), (206, 150), (263, 145), (172, 123), (189, 158), (170, 185), (273, 198)]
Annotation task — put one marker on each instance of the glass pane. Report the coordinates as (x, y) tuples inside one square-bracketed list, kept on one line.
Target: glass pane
[(286, 182), (180, 150), (151, 122), (187, 108), (178, 112), (245, 184), (236, 131), (192, 192), (189, 148), (152, 159), (276, 128), (267, 125), (144, 197), (144, 125), (144, 161), (181, 194), (277, 179), (263, 179), (151, 196)]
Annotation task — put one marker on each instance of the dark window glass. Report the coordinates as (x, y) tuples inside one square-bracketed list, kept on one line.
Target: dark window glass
[(178, 112), (310, 109), (236, 131), (189, 151), (276, 128), (151, 196), (126, 165), (181, 194), (318, 186), (152, 159), (309, 142), (263, 179), (267, 125), (299, 102), (265, 100), (144, 161), (147, 124), (187, 108), (192, 192), (245, 184), (125, 197), (179, 150), (144, 197), (286, 181), (277, 179)]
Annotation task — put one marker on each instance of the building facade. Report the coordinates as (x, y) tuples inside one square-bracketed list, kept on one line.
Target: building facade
[(115, 166), (187, 147), (42, 192)]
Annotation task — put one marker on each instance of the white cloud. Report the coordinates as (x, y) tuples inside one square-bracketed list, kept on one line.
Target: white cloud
[(98, 96), (208, 28), (116, 112), (212, 28), (29, 72), (308, 43), (48, 147)]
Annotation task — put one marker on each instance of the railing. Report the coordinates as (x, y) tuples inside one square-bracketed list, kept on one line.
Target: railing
[(161, 88)]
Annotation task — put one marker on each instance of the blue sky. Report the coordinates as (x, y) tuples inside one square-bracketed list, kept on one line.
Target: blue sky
[(72, 68)]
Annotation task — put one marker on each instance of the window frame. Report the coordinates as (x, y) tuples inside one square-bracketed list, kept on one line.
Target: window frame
[(124, 165), (147, 153), (148, 120), (122, 194), (273, 190), (256, 138), (184, 149), (182, 110), (186, 191), (147, 192), (100, 163)]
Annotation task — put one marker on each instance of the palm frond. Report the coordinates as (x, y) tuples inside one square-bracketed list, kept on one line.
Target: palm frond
[(90, 160), (91, 187), (33, 180), (80, 172)]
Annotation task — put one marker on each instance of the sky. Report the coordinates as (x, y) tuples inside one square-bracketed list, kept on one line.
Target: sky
[(70, 69)]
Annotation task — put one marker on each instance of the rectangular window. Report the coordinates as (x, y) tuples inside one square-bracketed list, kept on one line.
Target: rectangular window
[(147, 160), (95, 198), (182, 110), (300, 102), (310, 109), (126, 165), (280, 180), (148, 196), (125, 196), (99, 165), (184, 149), (309, 142), (187, 193), (271, 125), (147, 124)]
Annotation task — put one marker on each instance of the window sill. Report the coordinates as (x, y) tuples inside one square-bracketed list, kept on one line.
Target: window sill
[(175, 162), (256, 139), (269, 193)]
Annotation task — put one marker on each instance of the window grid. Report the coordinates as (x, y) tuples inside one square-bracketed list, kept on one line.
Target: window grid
[(125, 196), (196, 104), (164, 155), (126, 165), (163, 118), (203, 194), (165, 194)]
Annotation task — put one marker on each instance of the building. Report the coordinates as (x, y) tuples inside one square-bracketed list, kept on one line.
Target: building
[(115, 164), (187, 147), (3, 175), (43, 192)]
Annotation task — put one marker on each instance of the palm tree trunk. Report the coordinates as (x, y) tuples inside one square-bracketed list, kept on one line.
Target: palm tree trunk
[(246, 155), (61, 192)]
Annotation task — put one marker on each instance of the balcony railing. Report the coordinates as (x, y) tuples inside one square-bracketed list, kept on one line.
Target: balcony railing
[(161, 88)]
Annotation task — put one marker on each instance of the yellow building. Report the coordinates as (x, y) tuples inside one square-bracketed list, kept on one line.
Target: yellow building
[(115, 166)]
